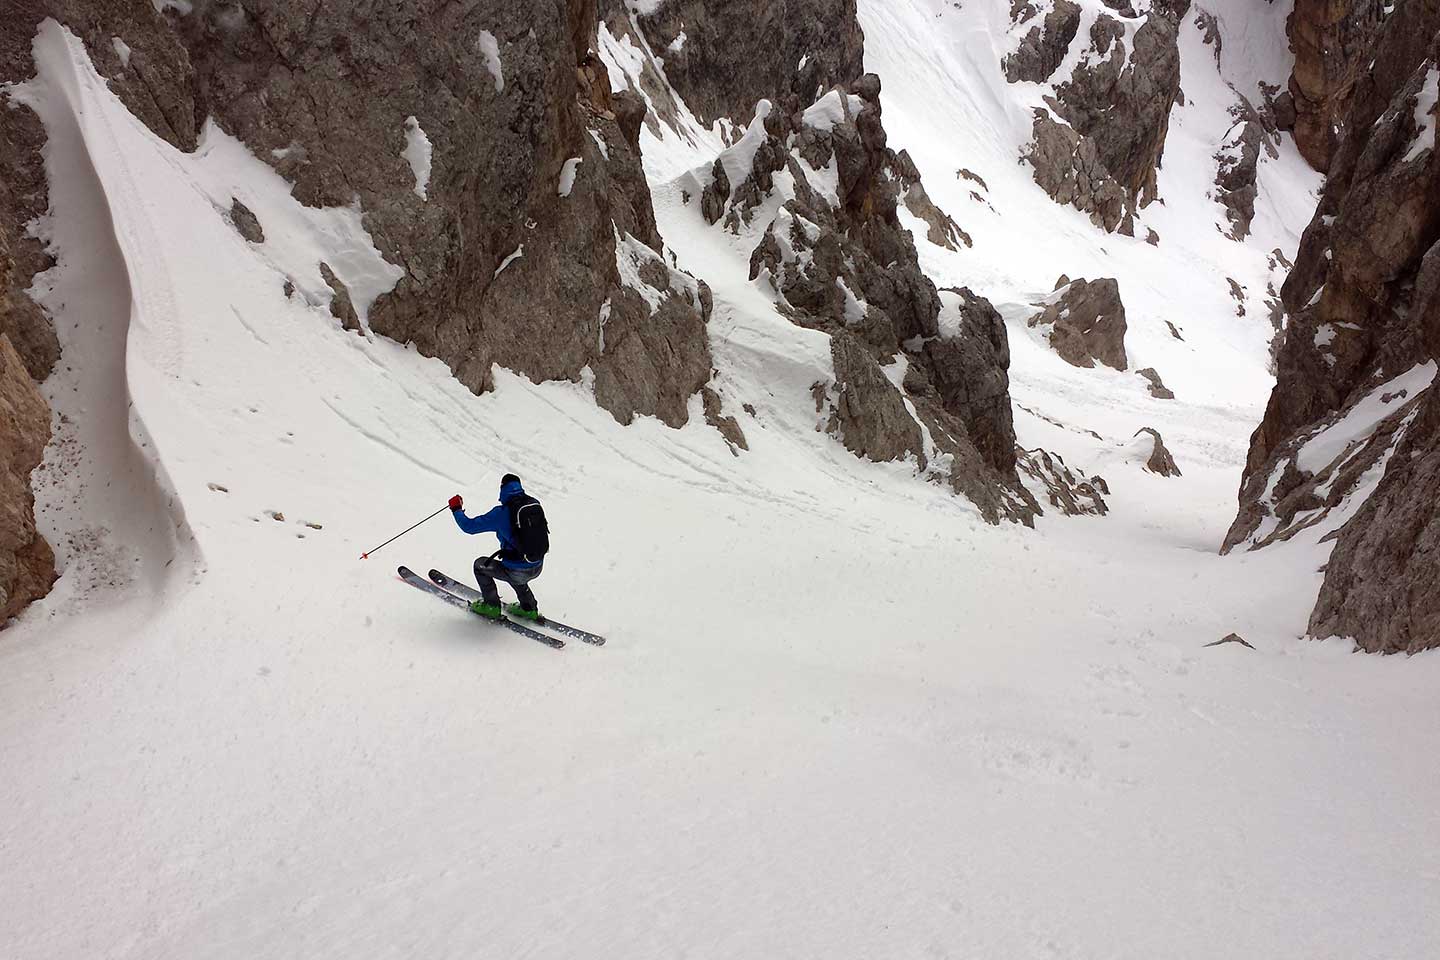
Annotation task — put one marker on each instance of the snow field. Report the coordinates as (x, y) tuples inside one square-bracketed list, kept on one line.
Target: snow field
[(838, 715)]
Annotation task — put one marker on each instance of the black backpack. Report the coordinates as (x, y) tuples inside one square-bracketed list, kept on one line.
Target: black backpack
[(532, 532)]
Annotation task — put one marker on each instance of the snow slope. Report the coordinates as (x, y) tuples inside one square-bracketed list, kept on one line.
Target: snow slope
[(838, 714)]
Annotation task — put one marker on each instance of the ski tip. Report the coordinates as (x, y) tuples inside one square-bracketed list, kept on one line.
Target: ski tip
[(364, 556)]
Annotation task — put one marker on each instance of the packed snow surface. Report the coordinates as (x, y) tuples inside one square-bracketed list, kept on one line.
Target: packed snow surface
[(838, 715)]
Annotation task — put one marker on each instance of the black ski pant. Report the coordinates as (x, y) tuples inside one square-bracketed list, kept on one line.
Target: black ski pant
[(489, 569)]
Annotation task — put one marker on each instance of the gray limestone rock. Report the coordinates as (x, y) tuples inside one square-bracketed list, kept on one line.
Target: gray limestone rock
[(1160, 462), (1044, 47), (27, 565), (1085, 321), (341, 307), (248, 225), (1115, 108), (737, 52), (866, 411), (1156, 385)]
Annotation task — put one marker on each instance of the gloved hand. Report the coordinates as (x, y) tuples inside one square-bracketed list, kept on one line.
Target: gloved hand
[(456, 503)]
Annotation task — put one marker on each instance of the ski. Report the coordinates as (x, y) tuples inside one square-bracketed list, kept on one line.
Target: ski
[(470, 593), (420, 583)]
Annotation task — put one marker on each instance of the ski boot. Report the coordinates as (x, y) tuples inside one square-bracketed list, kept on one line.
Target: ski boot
[(515, 610), (490, 611)]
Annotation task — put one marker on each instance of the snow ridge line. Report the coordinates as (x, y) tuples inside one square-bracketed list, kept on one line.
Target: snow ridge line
[(85, 164)]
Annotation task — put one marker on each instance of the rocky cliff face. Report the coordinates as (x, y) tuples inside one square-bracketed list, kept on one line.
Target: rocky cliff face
[(1085, 322), (1115, 104), (723, 60), (919, 373), (1352, 403), (509, 98), (1331, 40), (533, 244), (27, 565)]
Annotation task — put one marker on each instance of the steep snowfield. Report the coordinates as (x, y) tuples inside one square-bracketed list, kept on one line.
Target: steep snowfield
[(838, 715)]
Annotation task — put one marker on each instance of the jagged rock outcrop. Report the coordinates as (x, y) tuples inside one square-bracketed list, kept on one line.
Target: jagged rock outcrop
[(1237, 166), (246, 223), (316, 95), (840, 261), (867, 411), (1044, 47), (342, 308), (23, 197), (1085, 322), (968, 369), (1332, 41), (27, 565), (1155, 385), (723, 57), (1156, 456), (1098, 145), (507, 94), (1068, 167), (1051, 481), (940, 228), (1380, 583), (1352, 401)]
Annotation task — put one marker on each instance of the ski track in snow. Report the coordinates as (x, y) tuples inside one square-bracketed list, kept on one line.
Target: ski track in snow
[(837, 716)]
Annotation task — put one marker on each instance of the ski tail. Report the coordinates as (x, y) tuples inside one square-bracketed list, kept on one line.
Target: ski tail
[(420, 583), (470, 593)]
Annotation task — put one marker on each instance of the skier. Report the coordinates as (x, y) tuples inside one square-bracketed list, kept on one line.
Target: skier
[(519, 522)]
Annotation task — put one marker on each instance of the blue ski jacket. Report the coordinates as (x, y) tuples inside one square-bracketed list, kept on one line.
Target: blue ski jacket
[(497, 521)]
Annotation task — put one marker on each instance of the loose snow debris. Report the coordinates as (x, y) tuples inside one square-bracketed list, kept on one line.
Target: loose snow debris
[(490, 47), (122, 50), (417, 154), (567, 176), (515, 254)]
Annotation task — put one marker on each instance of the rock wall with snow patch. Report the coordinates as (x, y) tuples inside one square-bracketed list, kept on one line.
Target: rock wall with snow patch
[(1348, 434), (480, 146), (1108, 76), (724, 56), (498, 264), (817, 191)]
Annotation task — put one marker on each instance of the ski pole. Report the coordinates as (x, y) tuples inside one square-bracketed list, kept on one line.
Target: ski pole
[(366, 554)]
